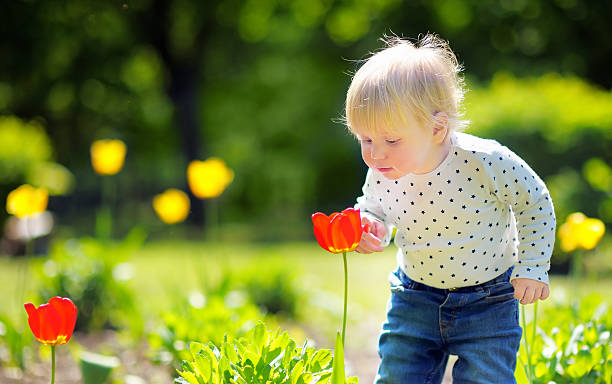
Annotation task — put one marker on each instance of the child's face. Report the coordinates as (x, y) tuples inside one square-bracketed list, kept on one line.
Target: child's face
[(397, 154)]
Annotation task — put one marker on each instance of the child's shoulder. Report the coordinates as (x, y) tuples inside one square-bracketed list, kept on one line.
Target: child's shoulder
[(473, 145)]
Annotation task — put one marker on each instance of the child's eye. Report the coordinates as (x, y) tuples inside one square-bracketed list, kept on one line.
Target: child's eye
[(366, 140), (392, 141)]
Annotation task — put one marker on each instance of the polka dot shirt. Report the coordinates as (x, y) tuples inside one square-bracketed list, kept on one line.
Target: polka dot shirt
[(482, 210)]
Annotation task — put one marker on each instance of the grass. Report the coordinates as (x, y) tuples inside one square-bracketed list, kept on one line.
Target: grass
[(163, 270), (166, 271)]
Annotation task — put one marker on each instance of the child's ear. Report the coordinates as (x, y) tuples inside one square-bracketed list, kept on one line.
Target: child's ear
[(440, 127)]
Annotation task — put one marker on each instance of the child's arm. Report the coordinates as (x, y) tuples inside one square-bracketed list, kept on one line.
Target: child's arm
[(515, 183), (379, 234)]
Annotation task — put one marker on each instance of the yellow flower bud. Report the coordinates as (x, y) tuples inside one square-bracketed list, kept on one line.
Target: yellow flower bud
[(26, 201), (208, 179), (172, 206), (579, 231), (592, 231), (107, 156), (569, 241)]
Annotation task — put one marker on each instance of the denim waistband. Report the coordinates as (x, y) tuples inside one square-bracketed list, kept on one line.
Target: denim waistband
[(414, 285)]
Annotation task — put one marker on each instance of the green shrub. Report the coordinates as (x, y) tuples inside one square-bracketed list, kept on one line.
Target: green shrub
[(572, 343), (561, 113), (22, 144), (92, 274), (14, 343), (271, 285), (232, 314), (25, 157), (259, 357)]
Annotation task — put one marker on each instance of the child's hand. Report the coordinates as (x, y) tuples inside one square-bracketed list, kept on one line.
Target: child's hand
[(371, 238), (528, 290)]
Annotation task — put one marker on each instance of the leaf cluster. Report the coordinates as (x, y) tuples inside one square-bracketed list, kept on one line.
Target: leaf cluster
[(93, 275), (231, 315), (259, 357), (572, 344)]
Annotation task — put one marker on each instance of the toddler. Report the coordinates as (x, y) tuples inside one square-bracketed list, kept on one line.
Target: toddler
[(475, 224)]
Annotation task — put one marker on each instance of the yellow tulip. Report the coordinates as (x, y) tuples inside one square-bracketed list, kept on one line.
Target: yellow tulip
[(26, 201), (208, 179), (172, 206), (592, 231), (107, 156), (579, 231)]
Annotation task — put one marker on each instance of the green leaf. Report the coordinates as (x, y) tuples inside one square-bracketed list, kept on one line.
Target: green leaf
[(230, 353), (204, 367), (259, 336), (338, 376), (224, 364), (297, 372), (280, 341), (271, 355), (195, 348), (520, 375), (288, 354), (190, 377), (321, 360)]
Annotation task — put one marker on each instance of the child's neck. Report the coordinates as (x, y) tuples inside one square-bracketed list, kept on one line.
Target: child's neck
[(437, 155)]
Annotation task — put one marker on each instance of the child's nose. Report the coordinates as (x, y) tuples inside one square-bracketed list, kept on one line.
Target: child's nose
[(377, 153)]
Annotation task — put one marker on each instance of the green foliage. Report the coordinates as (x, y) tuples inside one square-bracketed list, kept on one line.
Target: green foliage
[(14, 342), (93, 274), (338, 374), (272, 286), (231, 314), (25, 157), (572, 343), (259, 357), (22, 144), (560, 112)]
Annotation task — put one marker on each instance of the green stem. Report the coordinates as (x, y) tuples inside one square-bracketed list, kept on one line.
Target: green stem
[(104, 223), (52, 364), (211, 223), (529, 370), (23, 267), (29, 244), (577, 271), (533, 331), (345, 297)]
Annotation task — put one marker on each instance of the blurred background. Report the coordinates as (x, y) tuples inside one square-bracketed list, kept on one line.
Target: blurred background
[(260, 84)]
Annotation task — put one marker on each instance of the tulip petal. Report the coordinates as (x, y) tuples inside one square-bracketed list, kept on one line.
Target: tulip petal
[(321, 223), (68, 314), (33, 319), (50, 322), (355, 217), (341, 233)]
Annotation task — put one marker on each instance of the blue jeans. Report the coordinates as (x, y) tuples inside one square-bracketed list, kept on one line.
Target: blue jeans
[(478, 324)]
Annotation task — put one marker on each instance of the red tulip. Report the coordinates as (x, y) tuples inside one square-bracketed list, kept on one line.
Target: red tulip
[(52, 323), (338, 232)]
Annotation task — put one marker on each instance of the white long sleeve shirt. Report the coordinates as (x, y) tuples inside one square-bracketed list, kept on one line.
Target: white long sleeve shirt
[(482, 210)]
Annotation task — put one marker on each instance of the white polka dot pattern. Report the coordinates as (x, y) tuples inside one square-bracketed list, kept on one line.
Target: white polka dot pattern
[(478, 213)]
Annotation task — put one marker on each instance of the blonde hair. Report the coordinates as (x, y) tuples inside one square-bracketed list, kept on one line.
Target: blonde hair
[(405, 79)]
